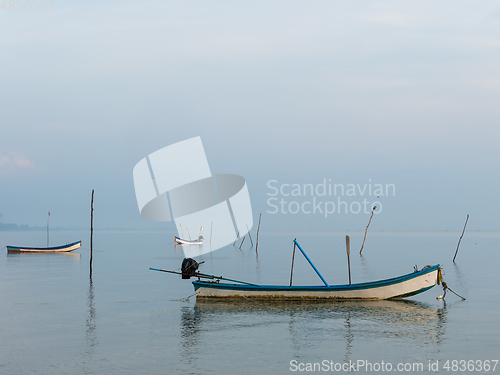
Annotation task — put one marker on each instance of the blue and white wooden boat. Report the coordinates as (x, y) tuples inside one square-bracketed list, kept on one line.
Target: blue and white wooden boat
[(55, 249), (393, 288), (182, 241)]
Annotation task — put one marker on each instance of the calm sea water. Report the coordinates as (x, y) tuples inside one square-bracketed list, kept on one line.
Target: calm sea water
[(127, 319)]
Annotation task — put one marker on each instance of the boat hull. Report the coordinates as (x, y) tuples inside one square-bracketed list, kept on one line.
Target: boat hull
[(395, 288), (56, 249), (181, 241)]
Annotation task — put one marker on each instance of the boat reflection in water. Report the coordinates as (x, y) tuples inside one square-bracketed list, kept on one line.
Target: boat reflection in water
[(340, 327)]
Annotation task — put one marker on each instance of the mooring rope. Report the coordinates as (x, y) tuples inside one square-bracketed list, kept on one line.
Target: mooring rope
[(185, 299), (445, 288)]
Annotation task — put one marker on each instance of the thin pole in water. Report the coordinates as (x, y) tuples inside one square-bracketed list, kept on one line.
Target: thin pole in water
[(242, 242), (456, 252), (257, 240), (348, 249), (91, 230), (366, 230), (48, 217), (249, 234)]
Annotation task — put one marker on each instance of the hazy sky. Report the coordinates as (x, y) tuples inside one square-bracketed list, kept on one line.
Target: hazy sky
[(403, 93)]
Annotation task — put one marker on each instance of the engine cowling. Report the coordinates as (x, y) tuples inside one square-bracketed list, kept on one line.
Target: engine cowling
[(189, 268)]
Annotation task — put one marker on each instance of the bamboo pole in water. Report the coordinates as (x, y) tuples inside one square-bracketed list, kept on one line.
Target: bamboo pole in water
[(249, 234), (48, 217), (257, 240), (242, 242), (91, 230), (366, 230), (456, 252)]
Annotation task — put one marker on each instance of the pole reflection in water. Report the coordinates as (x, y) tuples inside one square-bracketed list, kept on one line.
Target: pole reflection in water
[(312, 325), (367, 271), (349, 336), (90, 324), (190, 327), (460, 279), (441, 324)]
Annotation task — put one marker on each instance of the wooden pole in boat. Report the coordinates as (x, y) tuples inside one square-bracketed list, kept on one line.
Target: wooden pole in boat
[(257, 240), (293, 259), (242, 242), (348, 249), (91, 230), (366, 230), (456, 252), (249, 234)]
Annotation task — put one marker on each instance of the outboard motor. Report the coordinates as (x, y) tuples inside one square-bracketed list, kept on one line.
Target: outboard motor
[(189, 268)]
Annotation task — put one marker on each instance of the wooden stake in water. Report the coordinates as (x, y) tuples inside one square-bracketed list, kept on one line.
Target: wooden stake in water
[(456, 252), (48, 216), (366, 230), (237, 236), (257, 240), (242, 242), (249, 234), (348, 249), (91, 230)]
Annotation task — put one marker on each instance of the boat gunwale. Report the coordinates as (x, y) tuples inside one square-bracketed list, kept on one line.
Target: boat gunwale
[(318, 288)]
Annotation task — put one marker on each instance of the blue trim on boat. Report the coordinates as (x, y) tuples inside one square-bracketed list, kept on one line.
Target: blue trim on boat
[(319, 288), (19, 248)]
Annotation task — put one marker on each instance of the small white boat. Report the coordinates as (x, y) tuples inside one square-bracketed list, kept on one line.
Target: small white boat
[(182, 241)]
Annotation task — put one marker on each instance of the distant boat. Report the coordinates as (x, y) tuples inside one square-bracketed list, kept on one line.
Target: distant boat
[(394, 288), (182, 241), (55, 249)]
